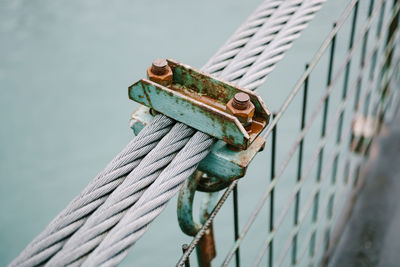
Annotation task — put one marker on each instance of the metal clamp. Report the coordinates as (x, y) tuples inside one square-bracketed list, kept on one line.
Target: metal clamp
[(202, 102), (231, 114)]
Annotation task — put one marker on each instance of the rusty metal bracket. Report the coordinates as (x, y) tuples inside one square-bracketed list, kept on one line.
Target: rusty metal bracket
[(222, 165), (185, 205), (206, 249), (202, 102), (234, 115)]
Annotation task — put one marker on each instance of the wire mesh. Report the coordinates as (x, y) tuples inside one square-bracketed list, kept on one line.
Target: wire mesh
[(367, 91)]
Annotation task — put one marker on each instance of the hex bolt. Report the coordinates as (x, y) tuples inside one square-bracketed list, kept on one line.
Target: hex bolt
[(241, 101), (159, 66), (160, 72), (241, 107)]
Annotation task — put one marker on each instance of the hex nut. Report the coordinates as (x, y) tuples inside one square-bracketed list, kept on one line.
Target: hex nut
[(163, 79), (245, 116)]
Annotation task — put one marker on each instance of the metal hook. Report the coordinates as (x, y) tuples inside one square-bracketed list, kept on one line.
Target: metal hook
[(206, 251), (185, 205)]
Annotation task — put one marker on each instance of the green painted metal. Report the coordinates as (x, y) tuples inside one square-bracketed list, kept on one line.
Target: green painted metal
[(199, 100), (206, 251), (185, 205), (222, 163), (230, 165), (140, 118)]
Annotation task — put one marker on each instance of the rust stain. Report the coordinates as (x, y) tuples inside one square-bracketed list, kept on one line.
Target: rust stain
[(206, 248), (192, 93), (163, 79), (256, 127), (247, 155), (213, 97), (244, 115), (230, 140), (224, 128), (147, 96)]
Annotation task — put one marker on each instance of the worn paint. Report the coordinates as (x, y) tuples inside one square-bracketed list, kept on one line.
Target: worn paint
[(222, 164), (199, 100), (140, 118), (228, 165), (185, 205), (206, 250)]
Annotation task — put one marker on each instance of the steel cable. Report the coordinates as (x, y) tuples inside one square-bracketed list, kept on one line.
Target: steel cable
[(123, 197), (266, 62), (116, 244), (49, 241), (260, 55), (52, 238), (242, 35), (134, 224), (71, 219)]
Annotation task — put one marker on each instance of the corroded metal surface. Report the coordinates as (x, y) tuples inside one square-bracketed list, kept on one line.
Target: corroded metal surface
[(200, 101), (241, 107), (234, 115), (185, 205), (222, 165), (206, 250), (160, 72), (228, 165)]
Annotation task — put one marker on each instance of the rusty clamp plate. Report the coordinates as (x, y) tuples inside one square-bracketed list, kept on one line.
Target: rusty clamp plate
[(199, 100), (221, 162)]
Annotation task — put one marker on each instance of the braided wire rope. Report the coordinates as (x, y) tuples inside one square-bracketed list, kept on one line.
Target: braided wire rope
[(52, 238), (123, 197), (266, 62), (253, 63), (92, 233), (241, 37), (137, 219), (118, 209), (68, 221), (151, 204), (262, 37)]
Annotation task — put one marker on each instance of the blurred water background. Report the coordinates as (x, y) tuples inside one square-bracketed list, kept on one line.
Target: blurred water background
[(64, 71)]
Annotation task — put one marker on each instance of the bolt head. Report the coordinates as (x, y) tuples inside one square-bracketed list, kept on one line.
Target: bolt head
[(160, 72), (246, 109), (159, 66), (241, 101)]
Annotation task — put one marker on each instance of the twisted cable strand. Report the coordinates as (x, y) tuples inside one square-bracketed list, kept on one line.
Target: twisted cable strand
[(123, 197), (137, 219), (247, 56), (249, 33), (266, 62), (244, 33), (52, 238)]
